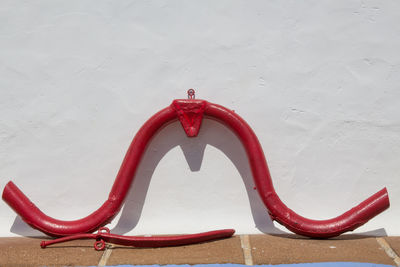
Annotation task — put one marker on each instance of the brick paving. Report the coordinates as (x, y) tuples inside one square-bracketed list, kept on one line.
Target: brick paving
[(264, 249)]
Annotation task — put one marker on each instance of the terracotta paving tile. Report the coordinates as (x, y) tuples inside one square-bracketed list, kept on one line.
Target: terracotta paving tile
[(220, 251), (17, 251), (394, 242), (267, 249)]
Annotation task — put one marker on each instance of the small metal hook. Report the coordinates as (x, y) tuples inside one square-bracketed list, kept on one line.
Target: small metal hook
[(191, 94), (99, 245)]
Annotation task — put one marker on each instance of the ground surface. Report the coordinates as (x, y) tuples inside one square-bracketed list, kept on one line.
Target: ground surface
[(244, 249)]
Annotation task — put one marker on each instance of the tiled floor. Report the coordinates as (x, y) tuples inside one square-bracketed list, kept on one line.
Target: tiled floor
[(253, 249)]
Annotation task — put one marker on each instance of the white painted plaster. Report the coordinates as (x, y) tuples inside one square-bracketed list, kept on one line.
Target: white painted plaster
[(319, 82)]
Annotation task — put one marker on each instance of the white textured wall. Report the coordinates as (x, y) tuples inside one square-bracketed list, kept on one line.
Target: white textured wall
[(319, 82)]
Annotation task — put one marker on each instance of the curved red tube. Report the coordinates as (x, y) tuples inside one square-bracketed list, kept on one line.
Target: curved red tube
[(278, 211), (143, 241), (104, 215), (190, 113)]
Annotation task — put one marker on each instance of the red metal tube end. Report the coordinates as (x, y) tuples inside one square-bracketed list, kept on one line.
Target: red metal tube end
[(386, 194), (227, 232), (43, 244), (22, 205), (379, 201), (14, 196), (369, 208), (17, 200), (6, 191), (375, 204)]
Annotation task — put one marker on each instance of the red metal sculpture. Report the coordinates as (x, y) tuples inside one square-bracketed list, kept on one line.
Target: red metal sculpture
[(190, 112)]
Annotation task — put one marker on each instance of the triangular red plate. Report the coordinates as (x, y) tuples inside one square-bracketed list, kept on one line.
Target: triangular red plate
[(190, 113)]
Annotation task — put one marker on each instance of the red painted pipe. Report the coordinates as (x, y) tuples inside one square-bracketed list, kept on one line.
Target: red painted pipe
[(278, 211), (190, 113), (104, 235)]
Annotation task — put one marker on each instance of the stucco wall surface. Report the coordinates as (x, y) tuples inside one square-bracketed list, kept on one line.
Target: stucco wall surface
[(318, 81)]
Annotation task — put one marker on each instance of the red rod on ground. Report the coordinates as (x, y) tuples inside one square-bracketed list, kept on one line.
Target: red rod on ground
[(104, 235)]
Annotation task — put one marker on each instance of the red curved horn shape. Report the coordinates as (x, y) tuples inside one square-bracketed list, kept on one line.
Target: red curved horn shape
[(190, 112)]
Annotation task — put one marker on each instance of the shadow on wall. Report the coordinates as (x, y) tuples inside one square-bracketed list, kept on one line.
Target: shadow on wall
[(211, 133)]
